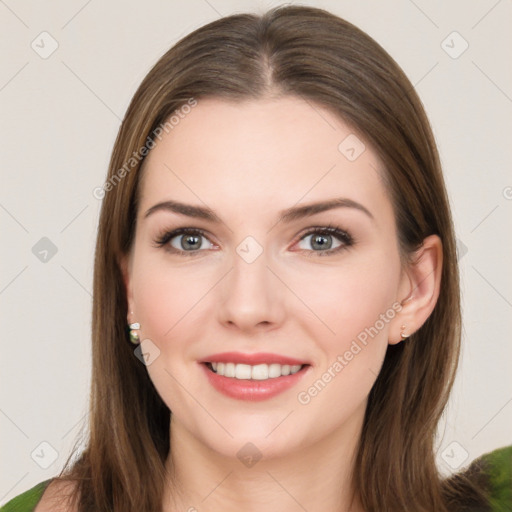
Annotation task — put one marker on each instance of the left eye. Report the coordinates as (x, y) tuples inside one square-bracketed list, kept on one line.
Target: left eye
[(325, 240)]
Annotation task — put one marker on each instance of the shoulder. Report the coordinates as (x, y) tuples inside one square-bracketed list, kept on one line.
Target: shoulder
[(27, 501), (492, 471), (498, 467), (54, 497)]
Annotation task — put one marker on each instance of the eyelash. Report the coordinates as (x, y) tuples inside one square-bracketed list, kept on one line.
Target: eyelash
[(342, 235)]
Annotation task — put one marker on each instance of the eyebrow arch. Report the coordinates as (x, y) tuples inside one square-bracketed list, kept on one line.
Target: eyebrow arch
[(289, 215), (299, 212)]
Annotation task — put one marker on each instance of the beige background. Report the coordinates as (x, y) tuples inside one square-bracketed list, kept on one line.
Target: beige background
[(60, 115)]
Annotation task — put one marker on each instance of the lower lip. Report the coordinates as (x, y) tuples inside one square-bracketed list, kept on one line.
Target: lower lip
[(253, 390)]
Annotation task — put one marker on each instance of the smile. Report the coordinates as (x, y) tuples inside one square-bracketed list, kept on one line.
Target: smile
[(253, 377), (256, 372)]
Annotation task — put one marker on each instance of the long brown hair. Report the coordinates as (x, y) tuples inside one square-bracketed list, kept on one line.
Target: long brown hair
[(313, 54)]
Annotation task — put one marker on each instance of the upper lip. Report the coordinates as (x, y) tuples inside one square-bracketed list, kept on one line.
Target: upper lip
[(252, 359)]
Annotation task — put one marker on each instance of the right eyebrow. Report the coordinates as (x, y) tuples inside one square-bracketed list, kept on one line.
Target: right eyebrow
[(199, 212)]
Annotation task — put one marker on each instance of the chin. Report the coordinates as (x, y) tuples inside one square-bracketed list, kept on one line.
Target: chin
[(261, 436)]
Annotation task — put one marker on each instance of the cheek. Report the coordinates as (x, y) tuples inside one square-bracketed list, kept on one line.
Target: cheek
[(356, 304), (166, 298), (169, 304), (352, 300)]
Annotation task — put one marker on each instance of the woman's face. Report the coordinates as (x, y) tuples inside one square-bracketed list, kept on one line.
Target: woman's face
[(263, 283)]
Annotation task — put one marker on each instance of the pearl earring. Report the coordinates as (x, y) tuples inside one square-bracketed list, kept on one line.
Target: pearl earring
[(402, 333), (134, 335)]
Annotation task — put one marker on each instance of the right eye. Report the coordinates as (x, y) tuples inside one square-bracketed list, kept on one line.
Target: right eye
[(184, 241)]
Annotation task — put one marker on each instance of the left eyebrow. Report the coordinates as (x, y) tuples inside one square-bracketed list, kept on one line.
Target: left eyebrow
[(299, 212), (289, 215)]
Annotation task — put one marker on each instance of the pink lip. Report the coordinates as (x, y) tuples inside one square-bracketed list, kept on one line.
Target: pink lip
[(252, 359), (252, 390)]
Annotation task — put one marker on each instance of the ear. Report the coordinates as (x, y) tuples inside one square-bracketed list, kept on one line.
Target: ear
[(125, 262), (419, 289)]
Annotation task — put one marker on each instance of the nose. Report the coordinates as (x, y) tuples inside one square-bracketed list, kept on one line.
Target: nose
[(251, 297)]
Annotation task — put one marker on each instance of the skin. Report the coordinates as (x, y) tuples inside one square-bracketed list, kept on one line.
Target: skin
[(248, 161)]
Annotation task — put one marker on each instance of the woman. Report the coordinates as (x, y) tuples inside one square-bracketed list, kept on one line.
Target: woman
[(276, 233)]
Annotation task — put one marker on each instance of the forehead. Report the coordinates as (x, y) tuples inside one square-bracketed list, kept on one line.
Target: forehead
[(260, 154)]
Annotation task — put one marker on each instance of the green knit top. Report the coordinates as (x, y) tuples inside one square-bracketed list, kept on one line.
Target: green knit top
[(498, 481)]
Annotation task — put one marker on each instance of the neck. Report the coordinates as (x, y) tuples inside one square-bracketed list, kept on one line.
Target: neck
[(316, 477)]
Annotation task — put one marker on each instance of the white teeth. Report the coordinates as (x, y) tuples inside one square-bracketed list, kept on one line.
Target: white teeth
[(229, 370), (274, 370), (260, 372), (242, 371), (256, 372)]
